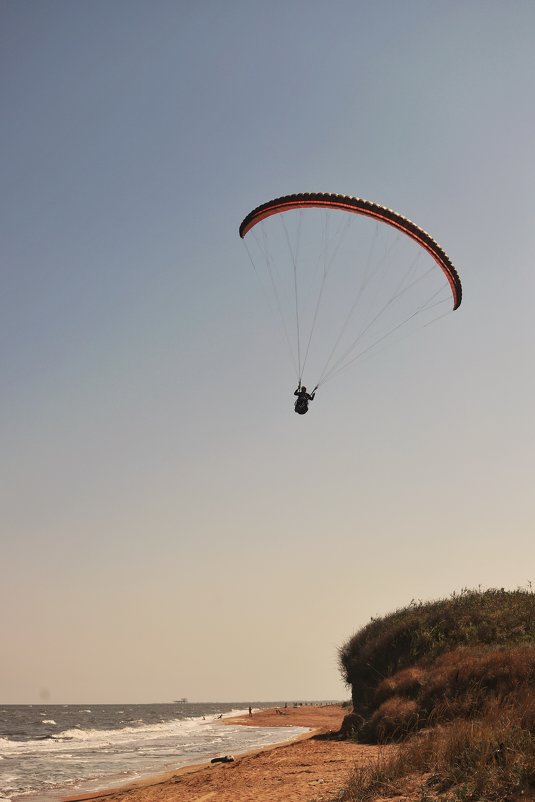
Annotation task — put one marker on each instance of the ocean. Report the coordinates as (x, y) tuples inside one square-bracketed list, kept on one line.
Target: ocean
[(50, 751)]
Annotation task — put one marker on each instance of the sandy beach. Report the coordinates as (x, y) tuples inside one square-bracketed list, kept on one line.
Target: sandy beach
[(312, 767)]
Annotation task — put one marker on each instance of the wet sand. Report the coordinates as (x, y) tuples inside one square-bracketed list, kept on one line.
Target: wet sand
[(312, 767)]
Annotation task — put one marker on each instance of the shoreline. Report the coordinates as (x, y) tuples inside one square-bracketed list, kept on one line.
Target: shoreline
[(154, 780), (291, 770)]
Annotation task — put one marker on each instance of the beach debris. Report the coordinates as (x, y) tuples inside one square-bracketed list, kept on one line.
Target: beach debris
[(224, 759)]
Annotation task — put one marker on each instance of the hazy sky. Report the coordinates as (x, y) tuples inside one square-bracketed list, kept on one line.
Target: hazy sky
[(169, 527)]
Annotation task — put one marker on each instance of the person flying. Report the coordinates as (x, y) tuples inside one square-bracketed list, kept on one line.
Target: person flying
[(301, 405)]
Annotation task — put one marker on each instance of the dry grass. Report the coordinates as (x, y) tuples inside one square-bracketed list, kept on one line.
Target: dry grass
[(458, 684), (447, 656), (488, 760), (453, 682)]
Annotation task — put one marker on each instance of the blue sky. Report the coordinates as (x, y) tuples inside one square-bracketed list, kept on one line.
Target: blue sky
[(169, 526)]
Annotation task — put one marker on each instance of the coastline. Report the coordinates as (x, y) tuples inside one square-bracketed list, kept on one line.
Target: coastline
[(296, 770)]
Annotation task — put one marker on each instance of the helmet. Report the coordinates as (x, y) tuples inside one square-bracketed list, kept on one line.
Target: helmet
[(303, 389)]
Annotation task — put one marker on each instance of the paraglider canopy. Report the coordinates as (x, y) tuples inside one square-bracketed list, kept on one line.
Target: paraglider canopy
[(380, 278)]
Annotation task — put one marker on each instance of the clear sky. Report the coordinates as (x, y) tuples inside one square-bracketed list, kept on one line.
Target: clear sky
[(169, 527)]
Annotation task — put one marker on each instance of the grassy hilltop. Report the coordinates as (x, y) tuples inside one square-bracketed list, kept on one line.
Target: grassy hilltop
[(453, 681)]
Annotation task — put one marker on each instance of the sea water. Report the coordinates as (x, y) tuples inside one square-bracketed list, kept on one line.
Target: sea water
[(50, 751)]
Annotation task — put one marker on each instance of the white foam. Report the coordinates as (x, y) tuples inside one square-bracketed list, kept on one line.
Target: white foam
[(78, 738), (48, 721), (91, 758)]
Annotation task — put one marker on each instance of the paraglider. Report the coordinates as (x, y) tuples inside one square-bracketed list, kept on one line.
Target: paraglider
[(347, 276), (301, 405)]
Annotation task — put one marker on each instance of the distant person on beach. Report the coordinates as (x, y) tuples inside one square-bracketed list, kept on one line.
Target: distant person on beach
[(250, 710), (301, 405)]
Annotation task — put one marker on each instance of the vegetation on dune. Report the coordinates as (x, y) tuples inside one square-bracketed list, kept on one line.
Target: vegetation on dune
[(453, 682), (487, 760), (421, 632)]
